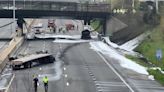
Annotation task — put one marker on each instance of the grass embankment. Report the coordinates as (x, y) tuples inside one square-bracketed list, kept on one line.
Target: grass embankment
[(157, 75), (96, 25), (139, 61), (148, 48), (153, 42)]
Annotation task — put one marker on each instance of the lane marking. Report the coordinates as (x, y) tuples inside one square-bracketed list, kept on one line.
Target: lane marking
[(65, 75), (64, 68), (104, 90), (130, 88), (91, 74), (103, 82), (107, 85), (94, 79), (10, 83), (67, 83)]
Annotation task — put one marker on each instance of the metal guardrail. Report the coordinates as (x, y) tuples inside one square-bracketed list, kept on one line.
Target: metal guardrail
[(56, 6)]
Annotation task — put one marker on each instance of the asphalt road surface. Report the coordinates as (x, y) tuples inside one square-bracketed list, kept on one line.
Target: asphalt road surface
[(87, 72), (83, 70)]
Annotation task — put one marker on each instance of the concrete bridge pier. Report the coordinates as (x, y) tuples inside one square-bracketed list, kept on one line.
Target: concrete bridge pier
[(20, 23), (87, 22), (105, 27)]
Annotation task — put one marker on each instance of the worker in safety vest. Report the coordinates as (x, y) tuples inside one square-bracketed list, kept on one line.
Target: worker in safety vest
[(45, 81)]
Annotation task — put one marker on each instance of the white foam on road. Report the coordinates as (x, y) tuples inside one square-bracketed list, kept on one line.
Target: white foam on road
[(57, 75), (132, 44), (128, 46), (56, 36), (114, 45), (75, 37), (124, 62), (70, 41), (3, 82), (157, 68), (57, 68)]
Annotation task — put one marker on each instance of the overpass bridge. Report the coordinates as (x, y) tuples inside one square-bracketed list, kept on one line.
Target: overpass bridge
[(46, 8)]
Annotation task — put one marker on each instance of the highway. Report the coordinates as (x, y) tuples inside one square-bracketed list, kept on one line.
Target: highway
[(85, 70), (80, 69), (77, 68), (89, 73)]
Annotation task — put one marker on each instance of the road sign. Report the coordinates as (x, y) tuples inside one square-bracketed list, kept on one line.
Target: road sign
[(159, 54)]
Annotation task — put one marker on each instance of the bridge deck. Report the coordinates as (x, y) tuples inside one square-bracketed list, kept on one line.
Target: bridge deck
[(35, 8), (57, 6)]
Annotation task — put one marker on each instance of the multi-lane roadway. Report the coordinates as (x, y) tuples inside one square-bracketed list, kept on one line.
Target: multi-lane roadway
[(77, 68), (80, 69)]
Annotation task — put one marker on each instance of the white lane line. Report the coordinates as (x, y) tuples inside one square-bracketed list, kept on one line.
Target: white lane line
[(94, 79), (151, 87), (104, 90), (7, 88), (44, 45), (102, 82), (91, 74), (130, 88), (64, 68), (67, 84), (108, 85), (65, 75)]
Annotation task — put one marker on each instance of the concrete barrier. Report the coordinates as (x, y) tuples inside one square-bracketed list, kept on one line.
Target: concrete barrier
[(10, 87), (13, 45), (4, 55)]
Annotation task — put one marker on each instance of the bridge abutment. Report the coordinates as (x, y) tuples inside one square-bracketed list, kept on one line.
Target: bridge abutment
[(105, 30)]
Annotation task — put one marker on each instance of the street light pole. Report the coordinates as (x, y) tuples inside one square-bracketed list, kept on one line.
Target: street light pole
[(133, 4), (14, 16), (156, 4)]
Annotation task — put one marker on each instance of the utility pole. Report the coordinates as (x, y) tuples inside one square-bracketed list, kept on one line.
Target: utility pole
[(133, 4), (14, 25), (156, 5)]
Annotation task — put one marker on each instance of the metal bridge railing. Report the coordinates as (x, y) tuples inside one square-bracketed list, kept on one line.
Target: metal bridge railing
[(56, 6)]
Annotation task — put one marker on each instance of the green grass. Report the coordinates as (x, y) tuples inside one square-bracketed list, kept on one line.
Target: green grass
[(139, 61), (148, 49), (151, 44), (95, 24), (157, 75)]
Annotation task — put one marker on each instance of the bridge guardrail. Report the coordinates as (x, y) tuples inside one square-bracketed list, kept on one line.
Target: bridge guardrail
[(57, 6)]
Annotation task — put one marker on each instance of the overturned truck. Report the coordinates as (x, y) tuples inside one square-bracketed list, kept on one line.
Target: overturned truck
[(32, 60)]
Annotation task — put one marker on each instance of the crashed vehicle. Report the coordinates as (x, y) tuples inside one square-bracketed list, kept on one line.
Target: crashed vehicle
[(29, 61)]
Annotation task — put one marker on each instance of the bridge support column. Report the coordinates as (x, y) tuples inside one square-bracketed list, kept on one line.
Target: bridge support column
[(106, 27), (20, 23), (87, 22)]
